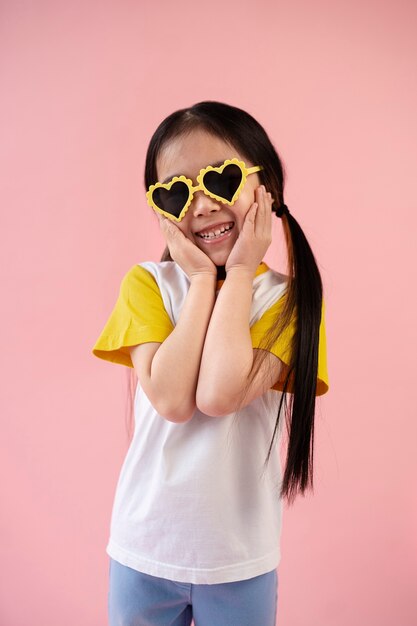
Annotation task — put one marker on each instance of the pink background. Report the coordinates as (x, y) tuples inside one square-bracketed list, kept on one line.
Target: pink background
[(83, 86)]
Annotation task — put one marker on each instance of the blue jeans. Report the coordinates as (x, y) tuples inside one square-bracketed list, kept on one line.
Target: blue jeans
[(138, 599)]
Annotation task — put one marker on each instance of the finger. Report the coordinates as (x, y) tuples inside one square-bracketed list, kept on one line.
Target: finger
[(164, 225), (269, 211), (250, 217), (161, 219), (268, 216), (167, 224), (167, 228), (260, 225), (268, 202)]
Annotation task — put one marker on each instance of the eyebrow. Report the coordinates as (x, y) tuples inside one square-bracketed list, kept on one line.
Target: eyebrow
[(217, 164)]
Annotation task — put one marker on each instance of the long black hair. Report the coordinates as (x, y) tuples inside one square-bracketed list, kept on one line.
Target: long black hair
[(302, 301)]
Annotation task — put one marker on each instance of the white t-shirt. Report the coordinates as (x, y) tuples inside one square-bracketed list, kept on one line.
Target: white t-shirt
[(194, 502)]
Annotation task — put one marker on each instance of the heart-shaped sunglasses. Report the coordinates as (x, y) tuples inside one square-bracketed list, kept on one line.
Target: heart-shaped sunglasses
[(223, 183)]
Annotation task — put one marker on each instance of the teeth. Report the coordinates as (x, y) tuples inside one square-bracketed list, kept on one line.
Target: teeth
[(216, 233)]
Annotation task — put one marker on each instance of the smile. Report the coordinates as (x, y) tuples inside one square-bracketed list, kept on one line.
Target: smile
[(217, 234)]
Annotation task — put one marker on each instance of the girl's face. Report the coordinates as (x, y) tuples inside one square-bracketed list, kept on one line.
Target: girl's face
[(187, 155)]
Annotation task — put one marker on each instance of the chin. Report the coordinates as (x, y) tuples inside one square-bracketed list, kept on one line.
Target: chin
[(219, 258)]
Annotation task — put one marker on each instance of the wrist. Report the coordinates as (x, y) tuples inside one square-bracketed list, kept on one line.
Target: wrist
[(242, 272), (204, 278)]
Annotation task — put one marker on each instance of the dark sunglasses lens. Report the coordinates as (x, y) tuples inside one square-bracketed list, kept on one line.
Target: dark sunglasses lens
[(224, 184), (172, 200)]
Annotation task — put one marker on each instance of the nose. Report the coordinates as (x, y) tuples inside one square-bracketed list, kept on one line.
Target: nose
[(203, 204)]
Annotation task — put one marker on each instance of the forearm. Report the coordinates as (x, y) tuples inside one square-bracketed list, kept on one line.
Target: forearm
[(176, 364), (227, 354)]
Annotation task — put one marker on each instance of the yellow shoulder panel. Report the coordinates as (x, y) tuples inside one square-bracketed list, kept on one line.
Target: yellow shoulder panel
[(139, 316)]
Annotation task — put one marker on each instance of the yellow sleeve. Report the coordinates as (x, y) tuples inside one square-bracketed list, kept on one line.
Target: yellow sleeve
[(139, 316), (282, 347)]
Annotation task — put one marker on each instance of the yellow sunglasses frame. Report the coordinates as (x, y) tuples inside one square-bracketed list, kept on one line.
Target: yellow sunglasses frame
[(200, 187)]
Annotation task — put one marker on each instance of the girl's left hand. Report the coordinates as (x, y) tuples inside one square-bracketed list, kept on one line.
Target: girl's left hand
[(256, 235)]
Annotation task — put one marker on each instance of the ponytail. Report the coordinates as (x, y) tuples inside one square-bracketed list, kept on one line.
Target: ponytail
[(304, 296)]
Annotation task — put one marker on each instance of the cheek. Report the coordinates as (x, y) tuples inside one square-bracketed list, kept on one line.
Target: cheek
[(245, 201), (249, 192)]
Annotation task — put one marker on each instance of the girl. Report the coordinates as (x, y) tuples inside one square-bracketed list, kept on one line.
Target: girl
[(217, 340)]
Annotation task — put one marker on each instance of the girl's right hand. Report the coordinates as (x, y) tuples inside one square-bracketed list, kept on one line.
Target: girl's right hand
[(184, 252)]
